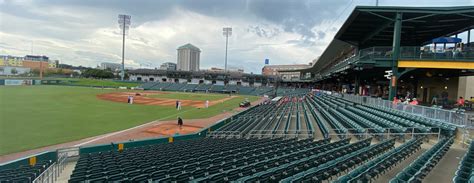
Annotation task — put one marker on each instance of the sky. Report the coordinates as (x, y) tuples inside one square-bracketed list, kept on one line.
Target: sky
[(86, 32)]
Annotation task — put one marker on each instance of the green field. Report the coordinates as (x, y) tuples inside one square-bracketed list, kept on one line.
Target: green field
[(37, 116), (190, 96)]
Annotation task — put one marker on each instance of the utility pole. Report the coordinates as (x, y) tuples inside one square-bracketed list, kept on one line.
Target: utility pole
[(124, 22), (227, 32)]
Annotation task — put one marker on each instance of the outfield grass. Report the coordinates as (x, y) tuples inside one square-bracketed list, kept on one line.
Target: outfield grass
[(37, 116), (190, 96)]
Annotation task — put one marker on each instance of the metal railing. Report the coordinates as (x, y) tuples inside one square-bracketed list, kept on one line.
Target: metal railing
[(225, 134), (281, 133), (416, 53), (450, 116), (387, 133), (52, 173)]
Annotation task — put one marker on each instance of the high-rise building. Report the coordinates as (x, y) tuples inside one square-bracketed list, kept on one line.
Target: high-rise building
[(188, 58), (170, 66)]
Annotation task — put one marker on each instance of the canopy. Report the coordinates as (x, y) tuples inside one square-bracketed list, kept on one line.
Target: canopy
[(447, 40)]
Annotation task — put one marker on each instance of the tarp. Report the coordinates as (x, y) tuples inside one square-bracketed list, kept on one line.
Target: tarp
[(447, 40)]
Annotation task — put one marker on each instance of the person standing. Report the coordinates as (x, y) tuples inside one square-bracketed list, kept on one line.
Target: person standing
[(131, 99), (206, 105), (179, 105), (180, 122), (128, 99), (434, 100)]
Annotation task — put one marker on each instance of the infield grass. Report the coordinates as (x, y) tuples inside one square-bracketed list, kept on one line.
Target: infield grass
[(37, 116)]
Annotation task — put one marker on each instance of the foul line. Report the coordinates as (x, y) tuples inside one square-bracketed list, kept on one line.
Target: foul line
[(114, 133)]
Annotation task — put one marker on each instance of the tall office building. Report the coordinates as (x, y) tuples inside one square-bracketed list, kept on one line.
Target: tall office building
[(188, 58)]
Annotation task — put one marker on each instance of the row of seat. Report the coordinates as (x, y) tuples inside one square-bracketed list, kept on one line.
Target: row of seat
[(24, 173), (422, 124), (245, 90), (228, 153), (418, 169), (448, 128), (465, 171), (335, 167), (270, 162), (371, 126), (380, 121), (396, 119), (372, 169), (318, 118), (300, 165), (354, 126)]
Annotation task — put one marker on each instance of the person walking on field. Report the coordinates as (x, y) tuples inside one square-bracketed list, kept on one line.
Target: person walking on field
[(206, 105), (179, 105), (180, 122)]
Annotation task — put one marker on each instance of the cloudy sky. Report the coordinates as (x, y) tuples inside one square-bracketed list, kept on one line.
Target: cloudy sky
[(85, 32)]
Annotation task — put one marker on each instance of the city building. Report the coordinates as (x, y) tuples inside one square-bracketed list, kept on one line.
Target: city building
[(188, 58), (170, 66), (282, 71), (8, 60), (37, 58), (111, 66)]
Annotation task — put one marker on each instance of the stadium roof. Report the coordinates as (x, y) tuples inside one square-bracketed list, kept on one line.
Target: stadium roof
[(369, 26), (189, 46)]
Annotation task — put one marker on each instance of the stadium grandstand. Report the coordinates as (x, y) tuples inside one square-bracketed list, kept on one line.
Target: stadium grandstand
[(333, 132)]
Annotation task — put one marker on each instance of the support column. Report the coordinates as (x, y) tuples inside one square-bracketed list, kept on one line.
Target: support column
[(469, 38), (396, 54), (356, 84)]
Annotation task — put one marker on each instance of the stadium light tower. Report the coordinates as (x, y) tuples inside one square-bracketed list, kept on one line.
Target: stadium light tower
[(124, 22), (227, 31)]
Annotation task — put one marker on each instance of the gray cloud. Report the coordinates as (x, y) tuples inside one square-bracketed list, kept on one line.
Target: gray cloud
[(84, 32)]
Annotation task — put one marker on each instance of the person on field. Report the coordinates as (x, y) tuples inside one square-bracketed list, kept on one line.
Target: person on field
[(131, 99), (179, 105), (180, 122), (128, 99), (206, 105)]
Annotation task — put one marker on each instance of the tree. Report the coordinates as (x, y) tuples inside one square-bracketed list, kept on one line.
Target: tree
[(14, 71), (97, 73)]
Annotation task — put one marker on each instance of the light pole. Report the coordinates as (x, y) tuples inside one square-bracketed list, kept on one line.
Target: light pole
[(227, 31), (124, 22)]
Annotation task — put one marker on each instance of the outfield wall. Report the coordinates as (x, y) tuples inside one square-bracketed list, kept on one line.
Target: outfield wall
[(19, 82), (44, 156)]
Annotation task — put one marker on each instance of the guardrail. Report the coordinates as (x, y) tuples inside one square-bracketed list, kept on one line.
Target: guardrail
[(450, 116), (51, 174), (225, 134), (281, 133)]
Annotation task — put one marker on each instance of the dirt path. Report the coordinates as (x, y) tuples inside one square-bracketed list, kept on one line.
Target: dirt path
[(154, 129), (142, 98)]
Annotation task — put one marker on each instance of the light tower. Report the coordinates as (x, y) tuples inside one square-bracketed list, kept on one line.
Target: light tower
[(227, 31), (124, 22)]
